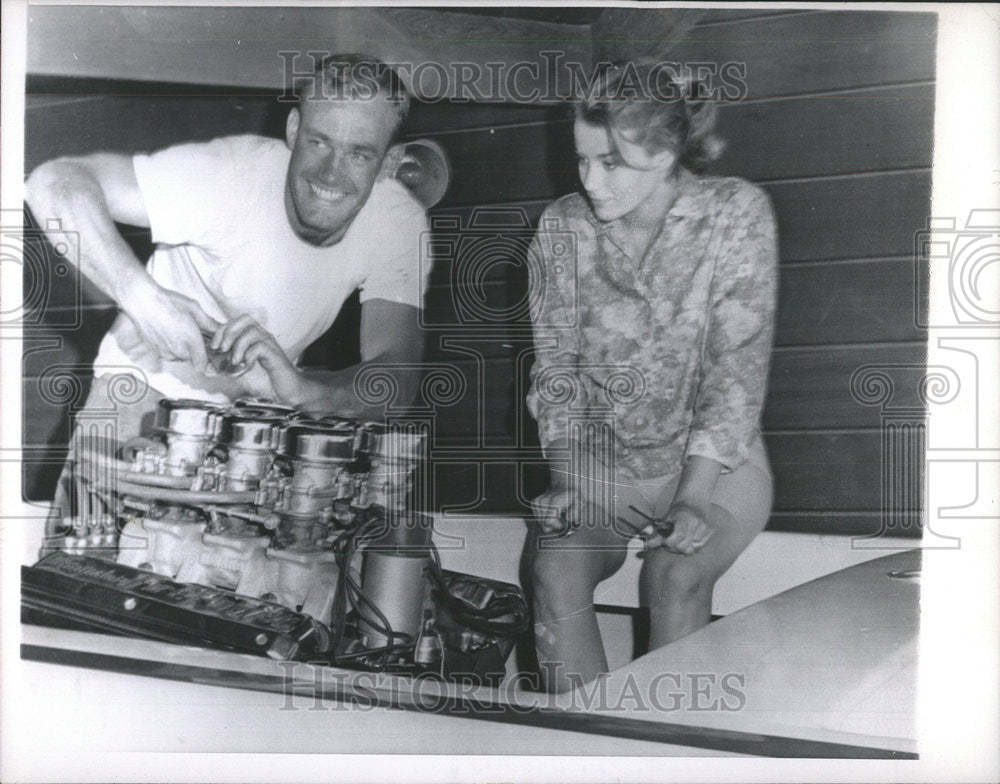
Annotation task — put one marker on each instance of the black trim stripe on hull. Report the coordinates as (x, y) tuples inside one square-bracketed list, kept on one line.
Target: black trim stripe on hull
[(731, 741)]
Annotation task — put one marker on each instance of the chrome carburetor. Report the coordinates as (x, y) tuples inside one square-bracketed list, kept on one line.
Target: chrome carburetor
[(252, 497)]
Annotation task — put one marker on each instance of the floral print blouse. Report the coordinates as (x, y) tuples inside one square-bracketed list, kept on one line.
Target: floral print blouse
[(672, 349)]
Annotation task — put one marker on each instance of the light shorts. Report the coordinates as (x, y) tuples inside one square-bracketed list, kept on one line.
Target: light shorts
[(745, 493)]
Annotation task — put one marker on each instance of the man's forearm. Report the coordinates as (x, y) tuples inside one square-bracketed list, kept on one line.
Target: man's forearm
[(67, 192), (320, 392)]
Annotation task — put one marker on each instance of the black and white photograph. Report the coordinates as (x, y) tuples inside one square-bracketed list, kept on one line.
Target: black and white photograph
[(536, 392)]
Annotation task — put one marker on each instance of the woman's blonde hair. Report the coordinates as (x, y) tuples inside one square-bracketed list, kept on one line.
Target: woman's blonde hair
[(647, 106)]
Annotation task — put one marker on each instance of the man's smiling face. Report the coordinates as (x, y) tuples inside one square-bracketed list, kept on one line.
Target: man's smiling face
[(338, 149)]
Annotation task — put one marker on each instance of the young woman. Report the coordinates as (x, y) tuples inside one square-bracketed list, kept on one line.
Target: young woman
[(653, 296)]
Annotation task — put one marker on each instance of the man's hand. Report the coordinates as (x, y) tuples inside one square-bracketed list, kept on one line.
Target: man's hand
[(247, 344), (171, 323)]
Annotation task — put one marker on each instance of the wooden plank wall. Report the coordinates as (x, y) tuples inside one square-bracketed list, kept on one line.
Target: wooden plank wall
[(837, 126)]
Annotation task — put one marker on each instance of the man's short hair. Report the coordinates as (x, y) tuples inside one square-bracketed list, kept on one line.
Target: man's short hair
[(356, 77)]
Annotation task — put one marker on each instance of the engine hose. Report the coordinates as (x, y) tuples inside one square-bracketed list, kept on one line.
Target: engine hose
[(125, 472), (269, 521), (96, 460), (189, 497), (157, 480)]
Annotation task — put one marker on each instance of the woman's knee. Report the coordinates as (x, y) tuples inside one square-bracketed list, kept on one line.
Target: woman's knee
[(559, 592), (552, 573), (563, 580), (668, 577)]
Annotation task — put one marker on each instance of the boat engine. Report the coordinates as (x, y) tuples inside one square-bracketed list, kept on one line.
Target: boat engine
[(223, 510)]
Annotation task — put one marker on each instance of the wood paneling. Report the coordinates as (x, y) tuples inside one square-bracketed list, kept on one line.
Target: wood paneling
[(142, 123), (502, 296), (528, 209), (788, 55), (823, 480), (340, 346), (843, 133), (811, 388), (635, 33), (40, 470), (510, 164), (44, 420), (856, 165), (487, 413), (869, 525), (47, 345), (814, 474), (826, 472), (847, 302), (487, 488), (241, 46), (851, 217), (429, 118), (808, 389)]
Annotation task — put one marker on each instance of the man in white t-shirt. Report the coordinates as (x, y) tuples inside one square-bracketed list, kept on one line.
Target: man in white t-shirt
[(259, 242)]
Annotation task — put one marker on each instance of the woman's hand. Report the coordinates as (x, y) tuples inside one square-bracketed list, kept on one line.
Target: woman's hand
[(248, 344), (692, 528), (691, 511), (553, 509), (561, 511)]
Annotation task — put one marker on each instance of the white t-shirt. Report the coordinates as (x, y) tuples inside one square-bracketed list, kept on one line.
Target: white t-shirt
[(217, 214)]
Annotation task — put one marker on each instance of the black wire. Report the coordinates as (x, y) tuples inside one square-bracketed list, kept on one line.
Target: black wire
[(349, 592), (482, 620), (358, 596), (384, 652), (343, 549)]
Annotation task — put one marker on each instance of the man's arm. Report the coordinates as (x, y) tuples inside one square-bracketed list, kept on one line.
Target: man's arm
[(87, 195), (391, 339)]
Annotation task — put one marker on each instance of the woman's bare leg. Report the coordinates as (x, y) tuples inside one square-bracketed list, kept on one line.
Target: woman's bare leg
[(565, 572), (678, 588)]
